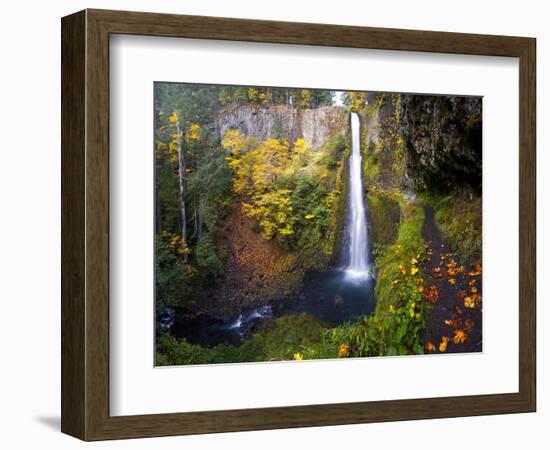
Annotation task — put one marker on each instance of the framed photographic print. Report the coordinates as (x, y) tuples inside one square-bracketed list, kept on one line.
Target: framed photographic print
[(271, 224)]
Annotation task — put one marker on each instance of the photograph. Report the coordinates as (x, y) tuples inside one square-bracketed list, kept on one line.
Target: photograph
[(295, 224)]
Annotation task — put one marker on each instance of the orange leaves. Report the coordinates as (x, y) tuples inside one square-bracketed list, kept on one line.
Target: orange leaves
[(443, 344), (469, 302), (453, 268), (402, 269), (432, 294), (454, 323), (436, 273), (460, 337), (343, 350), (430, 347)]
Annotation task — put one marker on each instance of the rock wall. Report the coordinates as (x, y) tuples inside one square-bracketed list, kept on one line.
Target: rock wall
[(443, 137), (283, 121)]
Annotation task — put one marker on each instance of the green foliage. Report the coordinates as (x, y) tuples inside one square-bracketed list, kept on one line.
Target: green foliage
[(207, 256), (459, 216), (384, 213), (409, 246), (278, 341), (396, 331), (209, 186), (311, 212), (174, 281)]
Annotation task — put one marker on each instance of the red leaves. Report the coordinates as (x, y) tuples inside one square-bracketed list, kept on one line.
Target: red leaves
[(432, 294)]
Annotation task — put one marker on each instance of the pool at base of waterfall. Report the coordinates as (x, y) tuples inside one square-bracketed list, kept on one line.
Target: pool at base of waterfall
[(330, 296)]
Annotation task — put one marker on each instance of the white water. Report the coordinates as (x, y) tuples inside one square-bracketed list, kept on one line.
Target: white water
[(358, 265)]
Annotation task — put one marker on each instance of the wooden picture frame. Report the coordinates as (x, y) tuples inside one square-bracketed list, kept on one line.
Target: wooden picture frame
[(85, 224)]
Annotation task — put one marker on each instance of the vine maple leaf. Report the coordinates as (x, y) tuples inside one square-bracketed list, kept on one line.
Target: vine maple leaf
[(343, 350), (460, 337), (432, 294)]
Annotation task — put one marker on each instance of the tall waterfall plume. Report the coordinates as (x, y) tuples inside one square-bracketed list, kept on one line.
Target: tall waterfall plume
[(358, 261)]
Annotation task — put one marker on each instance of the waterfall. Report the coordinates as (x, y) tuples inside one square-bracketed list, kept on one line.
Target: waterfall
[(358, 261)]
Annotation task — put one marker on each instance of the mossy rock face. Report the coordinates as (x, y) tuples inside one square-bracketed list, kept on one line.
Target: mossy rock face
[(383, 213)]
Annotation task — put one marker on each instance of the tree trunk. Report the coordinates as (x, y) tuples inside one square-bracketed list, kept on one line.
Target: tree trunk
[(158, 217), (181, 171)]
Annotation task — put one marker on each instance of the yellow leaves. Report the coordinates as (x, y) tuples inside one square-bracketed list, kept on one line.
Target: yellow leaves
[(357, 100), (460, 337), (414, 270), (443, 344), (273, 210), (392, 309), (301, 151), (414, 261), (469, 302), (234, 141), (309, 216), (298, 356), (452, 280), (430, 347), (173, 118), (175, 243), (402, 269), (343, 350), (194, 132)]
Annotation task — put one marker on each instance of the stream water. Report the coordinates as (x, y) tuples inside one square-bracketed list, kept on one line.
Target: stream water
[(333, 296)]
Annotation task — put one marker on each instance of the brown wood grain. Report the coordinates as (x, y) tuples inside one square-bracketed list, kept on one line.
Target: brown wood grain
[(85, 224)]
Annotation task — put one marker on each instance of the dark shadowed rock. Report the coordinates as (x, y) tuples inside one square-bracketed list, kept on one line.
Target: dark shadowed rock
[(443, 137)]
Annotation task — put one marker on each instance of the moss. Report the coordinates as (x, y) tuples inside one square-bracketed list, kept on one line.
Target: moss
[(409, 244), (279, 341), (459, 217), (383, 211)]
